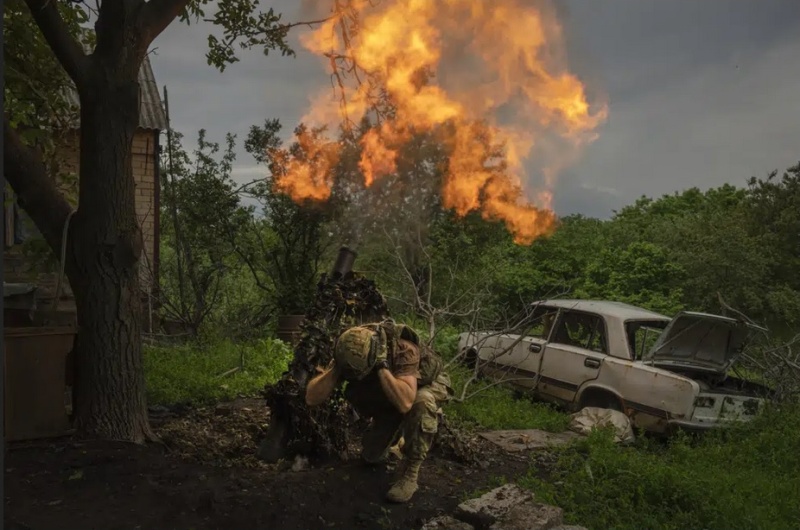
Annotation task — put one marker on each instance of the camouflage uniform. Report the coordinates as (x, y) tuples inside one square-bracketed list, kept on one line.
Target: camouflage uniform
[(418, 426)]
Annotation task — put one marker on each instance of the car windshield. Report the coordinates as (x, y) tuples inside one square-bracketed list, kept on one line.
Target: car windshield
[(643, 334)]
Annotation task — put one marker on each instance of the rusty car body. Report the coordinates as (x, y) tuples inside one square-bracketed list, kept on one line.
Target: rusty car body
[(664, 373)]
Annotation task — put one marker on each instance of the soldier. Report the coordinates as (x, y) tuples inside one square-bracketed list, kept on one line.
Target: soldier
[(395, 381)]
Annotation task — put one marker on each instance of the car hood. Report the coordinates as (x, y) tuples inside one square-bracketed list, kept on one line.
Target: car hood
[(702, 341)]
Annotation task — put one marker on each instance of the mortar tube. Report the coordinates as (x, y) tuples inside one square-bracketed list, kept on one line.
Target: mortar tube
[(344, 262)]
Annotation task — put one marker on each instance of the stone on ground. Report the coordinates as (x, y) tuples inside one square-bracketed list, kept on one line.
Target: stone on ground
[(530, 516), (515, 441), (487, 509), (508, 507)]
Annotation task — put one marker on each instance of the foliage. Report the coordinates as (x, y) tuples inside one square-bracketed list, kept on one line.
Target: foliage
[(104, 66), (639, 274), (744, 478), (190, 374), (202, 219), (37, 92), (283, 250)]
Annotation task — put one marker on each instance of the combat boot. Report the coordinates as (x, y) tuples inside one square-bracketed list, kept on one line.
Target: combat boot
[(406, 486)]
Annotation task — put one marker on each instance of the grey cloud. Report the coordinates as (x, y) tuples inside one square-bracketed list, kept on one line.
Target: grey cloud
[(721, 124), (575, 195), (256, 88)]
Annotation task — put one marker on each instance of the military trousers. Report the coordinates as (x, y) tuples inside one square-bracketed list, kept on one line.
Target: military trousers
[(417, 427)]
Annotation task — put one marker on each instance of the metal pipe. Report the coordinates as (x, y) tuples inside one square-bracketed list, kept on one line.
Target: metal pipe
[(344, 262)]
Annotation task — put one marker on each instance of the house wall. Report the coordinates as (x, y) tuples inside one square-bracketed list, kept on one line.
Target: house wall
[(144, 164)]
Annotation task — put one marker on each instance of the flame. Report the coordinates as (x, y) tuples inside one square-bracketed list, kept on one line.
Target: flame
[(377, 158), (310, 175), (490, 73)]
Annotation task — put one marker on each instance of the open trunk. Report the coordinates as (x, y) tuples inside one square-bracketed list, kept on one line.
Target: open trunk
[(703, 347), (700, 343)]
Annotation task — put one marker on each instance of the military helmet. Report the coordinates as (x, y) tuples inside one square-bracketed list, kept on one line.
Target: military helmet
[(356, 350)]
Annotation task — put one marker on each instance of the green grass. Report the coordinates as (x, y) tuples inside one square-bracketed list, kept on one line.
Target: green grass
[(493, 407), (748, 477), (191, 373), (489, 406)]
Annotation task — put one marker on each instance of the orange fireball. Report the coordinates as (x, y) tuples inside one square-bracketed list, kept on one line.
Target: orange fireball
[(489, 73)]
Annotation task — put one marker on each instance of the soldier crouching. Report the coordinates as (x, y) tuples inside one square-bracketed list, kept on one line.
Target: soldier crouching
[(396, 382)]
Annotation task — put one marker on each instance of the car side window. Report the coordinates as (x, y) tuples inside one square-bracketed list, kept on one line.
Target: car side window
[(642, 337), (542, 322), (583, 330)]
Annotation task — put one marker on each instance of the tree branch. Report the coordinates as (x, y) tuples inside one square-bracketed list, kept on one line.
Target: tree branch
[(67, 50), (38, 194), (156, 15)]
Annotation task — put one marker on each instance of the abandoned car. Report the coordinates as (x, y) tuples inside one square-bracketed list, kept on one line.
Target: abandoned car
[(664, 373)]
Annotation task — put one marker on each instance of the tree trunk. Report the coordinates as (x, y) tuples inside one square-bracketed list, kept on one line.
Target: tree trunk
[(106, 247), (104, 240)]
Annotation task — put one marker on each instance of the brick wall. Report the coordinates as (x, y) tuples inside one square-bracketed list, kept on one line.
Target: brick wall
[(144, 173)]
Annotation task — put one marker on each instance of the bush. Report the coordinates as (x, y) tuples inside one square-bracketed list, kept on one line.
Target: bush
[(190, 374), (746, 477)]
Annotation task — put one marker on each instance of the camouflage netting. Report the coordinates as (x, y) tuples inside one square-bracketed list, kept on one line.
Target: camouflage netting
[(340, 302)]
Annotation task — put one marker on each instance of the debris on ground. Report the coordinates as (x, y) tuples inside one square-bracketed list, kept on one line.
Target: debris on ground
[(446, 522), (225, 435), (487, 509), (590, 418), (457, 445), (508, 507)]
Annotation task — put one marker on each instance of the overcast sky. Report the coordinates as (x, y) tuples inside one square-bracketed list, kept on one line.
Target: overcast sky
[(700, 93)]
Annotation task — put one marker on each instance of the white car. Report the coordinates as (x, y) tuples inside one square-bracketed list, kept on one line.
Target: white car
[(663, 372)]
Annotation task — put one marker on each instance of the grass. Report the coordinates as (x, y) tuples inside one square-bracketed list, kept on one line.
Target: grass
[(190, 374), (492, 407), (489, 406), (746, 477)]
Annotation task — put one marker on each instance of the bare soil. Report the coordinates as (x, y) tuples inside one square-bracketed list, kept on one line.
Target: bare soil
[(205, 476)]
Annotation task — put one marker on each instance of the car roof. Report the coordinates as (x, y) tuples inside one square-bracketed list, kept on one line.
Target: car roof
[(604, 307)]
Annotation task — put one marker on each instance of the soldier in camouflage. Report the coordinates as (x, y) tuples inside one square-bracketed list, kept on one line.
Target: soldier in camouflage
[(399, 384)]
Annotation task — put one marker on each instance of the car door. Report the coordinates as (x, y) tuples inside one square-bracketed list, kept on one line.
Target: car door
[(516, 358), (573, 355)]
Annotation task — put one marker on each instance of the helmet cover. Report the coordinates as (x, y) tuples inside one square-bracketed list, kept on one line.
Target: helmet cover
[(356, 350)]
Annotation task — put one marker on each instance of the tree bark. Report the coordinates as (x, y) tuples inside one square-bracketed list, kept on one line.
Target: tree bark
[(106, 247)]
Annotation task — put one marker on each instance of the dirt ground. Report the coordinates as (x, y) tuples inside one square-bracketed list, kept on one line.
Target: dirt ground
[(206, 476)]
